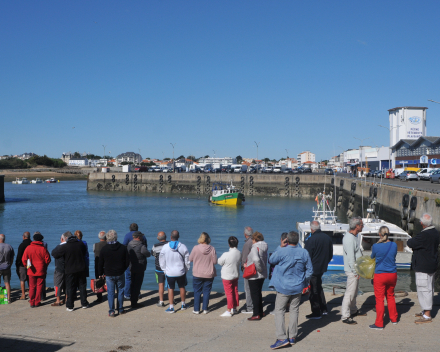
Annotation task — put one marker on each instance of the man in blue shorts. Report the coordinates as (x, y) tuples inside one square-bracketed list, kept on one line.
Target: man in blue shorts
[(174, 261), (160, 275)]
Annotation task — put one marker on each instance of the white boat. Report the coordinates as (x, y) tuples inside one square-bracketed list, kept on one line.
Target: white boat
[(37, 180), (23, 181), (51, 180), (366, 238), (330, 226), (370, 236)]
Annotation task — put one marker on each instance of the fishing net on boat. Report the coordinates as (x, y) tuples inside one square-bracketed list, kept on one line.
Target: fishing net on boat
[(365, 267)]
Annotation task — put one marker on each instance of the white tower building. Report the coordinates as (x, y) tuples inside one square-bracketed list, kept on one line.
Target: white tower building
[(408, 122)]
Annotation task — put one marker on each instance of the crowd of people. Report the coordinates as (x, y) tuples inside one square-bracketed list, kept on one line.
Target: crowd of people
[(291, 269)]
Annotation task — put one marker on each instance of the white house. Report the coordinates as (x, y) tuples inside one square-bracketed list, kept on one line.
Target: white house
[(78, 162)]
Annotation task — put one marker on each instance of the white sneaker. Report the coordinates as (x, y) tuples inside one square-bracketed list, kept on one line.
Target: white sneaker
[(69, 310), (194, 312), (234, 311), (226, 314), (247, 311), (205, 312)]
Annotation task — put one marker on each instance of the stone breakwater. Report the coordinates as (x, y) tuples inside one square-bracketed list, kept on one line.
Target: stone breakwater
[(400, 205), (2, 188)]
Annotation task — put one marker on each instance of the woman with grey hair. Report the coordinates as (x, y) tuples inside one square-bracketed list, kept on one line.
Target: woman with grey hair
[(385, 277)]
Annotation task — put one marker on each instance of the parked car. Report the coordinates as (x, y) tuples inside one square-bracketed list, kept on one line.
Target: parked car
[(329, 172), (427, 175), (424, 173), (296, 171), (268, 170), (196, 170), (307, 170), (435, 176), (287, 170), (409, 176)]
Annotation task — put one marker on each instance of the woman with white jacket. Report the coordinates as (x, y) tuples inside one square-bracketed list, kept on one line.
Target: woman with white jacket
[(230, 262), (257, 256)]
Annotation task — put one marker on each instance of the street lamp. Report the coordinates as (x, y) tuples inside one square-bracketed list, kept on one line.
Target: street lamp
[(257, 144), (214, 153), (287, 153), (173, 156), (434, 101), (104, 149), (360, 147), (389, 150)]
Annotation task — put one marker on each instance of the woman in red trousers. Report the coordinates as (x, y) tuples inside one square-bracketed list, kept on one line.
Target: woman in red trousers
[(230, 262), (385, 277), (39, 259)]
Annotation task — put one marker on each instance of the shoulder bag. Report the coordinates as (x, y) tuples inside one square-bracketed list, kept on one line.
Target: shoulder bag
[(250, 270)]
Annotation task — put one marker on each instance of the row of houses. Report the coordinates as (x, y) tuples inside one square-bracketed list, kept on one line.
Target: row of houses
[(23, 156)]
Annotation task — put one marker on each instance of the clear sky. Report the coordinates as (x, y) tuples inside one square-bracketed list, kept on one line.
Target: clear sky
[(212, 75)]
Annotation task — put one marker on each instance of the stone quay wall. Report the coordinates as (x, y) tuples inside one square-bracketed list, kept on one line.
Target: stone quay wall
[(2, 188), (400, 205)]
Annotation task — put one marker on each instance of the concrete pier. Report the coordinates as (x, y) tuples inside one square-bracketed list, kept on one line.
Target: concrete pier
[(149, 328), (351, 194)]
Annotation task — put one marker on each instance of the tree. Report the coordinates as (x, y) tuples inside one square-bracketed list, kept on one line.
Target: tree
[(93, 156), (46, 161), (76, 155), (13, 163), (167, 159), (266, 160), (239, 159), (180, 157), (191, 157)]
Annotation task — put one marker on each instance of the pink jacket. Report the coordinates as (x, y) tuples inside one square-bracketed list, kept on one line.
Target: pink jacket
[(204, 259)]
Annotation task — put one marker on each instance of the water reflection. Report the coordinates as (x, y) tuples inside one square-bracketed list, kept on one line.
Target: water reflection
[(68, 206)]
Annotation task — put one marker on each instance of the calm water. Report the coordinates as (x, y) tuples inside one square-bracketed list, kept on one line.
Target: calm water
[(67, 206)]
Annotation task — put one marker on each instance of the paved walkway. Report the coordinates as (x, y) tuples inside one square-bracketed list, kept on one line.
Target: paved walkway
[(149, 328)]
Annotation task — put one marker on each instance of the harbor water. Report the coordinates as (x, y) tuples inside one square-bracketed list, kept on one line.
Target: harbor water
[(67, 206)]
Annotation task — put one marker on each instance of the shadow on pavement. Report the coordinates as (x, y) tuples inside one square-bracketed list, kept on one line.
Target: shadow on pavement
[(21, 343)]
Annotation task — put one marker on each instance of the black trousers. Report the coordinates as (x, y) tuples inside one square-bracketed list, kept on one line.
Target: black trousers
[(98, 295), (317, 297), (256, 287), (135, 286), (72, 282)]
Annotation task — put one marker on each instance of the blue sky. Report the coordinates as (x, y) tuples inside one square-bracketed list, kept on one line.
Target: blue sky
[(212, 75)]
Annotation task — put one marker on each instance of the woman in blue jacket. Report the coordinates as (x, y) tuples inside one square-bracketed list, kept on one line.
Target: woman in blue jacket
[(385, 277)]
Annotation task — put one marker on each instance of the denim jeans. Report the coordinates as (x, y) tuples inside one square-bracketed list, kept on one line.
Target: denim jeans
[(118, 283), (127, 290), (201, 285)]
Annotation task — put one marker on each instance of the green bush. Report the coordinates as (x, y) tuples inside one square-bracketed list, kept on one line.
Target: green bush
[(13, 163), (46, 161), (437, 202)]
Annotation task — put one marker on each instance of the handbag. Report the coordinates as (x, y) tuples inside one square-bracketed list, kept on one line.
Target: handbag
[(98, 285), (250, 270)]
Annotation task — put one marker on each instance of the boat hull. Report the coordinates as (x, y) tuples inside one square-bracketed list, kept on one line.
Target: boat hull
[(228, 199), (337, 263)]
